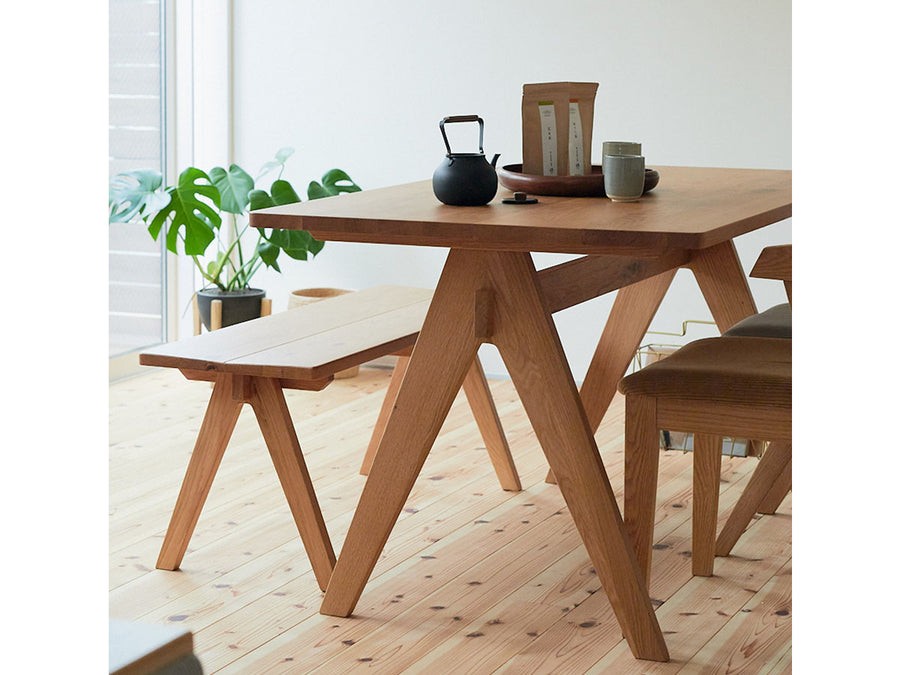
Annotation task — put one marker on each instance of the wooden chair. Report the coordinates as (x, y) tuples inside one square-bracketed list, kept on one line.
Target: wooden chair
[(706, 370), (717, 387)]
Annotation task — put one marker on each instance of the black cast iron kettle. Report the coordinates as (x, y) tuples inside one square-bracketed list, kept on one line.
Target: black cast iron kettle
[(465, 178)]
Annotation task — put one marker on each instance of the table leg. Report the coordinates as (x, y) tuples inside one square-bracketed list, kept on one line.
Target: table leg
[(443, 354), (384, 415), (526, 337), (630, 317), (496, 297), (478, 394), (723, 283)]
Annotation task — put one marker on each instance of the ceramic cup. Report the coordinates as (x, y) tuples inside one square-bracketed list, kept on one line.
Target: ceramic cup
[(623, 177), (620, 148)]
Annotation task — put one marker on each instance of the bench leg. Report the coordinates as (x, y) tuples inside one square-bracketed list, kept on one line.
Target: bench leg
[(707, 475), (277, 428), (770, 469), (777, 493), (481, 402), (218, 424), (641, 477), (386, 407)]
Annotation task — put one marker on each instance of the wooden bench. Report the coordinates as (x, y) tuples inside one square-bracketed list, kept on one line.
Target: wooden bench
[(302, 348)]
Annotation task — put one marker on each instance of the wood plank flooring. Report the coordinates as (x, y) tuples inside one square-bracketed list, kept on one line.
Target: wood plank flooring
[(473, 579)]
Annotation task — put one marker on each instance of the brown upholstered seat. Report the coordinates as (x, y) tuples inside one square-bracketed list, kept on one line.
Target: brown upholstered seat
[(741, 370), (774, 322)]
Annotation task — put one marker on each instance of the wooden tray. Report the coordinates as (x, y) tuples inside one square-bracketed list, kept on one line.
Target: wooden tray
[(590, 185)]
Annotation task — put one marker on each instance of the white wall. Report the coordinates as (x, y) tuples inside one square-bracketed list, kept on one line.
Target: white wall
[(361, 85)]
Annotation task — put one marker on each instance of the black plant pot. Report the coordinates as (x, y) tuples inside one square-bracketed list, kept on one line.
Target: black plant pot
[(237, 306)]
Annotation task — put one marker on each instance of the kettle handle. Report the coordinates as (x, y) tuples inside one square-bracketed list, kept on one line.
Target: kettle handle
[(464, 118)]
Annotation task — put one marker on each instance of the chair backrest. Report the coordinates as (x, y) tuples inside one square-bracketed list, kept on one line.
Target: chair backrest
[(774, 262)]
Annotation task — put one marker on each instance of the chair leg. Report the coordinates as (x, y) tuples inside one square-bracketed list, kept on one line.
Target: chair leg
[(478, 393), (776, 495), (386, 407), (707, 475), (218, 423), (641, 476), (770, 468)]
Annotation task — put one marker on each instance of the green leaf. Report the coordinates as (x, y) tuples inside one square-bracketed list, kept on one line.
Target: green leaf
[(284, 154), (260, 199), (234, 187), (281, 157), (267, 167), (336, 181), (189, 208), (316, 191), (268, 253), (315, 245), (295, 243), (283, 193), (135, 194)]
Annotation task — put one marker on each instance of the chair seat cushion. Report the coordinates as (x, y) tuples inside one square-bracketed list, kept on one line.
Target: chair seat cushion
[(734, 370), (775, 322)]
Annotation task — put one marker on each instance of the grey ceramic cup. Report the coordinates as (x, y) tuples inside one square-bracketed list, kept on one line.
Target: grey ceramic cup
[(623, 177), (620, 148)]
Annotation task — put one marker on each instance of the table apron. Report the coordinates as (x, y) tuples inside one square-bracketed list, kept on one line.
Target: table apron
[(577, 281)]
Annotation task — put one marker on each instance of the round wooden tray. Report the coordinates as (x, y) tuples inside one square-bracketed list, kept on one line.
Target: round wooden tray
[(590, 185)]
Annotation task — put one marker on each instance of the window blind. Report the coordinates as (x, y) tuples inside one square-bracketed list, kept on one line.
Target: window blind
[(136, 111)]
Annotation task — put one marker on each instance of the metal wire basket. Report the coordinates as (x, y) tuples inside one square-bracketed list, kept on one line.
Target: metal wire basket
[(651, 352)]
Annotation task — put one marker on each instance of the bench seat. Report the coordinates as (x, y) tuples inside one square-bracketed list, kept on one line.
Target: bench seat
[(308, 343), (302, 348)]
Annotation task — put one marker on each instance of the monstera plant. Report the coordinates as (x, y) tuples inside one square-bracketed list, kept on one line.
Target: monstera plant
[(203, 208)]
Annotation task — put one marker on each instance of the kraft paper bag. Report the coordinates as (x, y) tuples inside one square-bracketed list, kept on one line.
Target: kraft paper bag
[(557, 125)]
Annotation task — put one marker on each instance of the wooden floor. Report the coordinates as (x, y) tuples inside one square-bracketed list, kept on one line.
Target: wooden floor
[(472, 580)]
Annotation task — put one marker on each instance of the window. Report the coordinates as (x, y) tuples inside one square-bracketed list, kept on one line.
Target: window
[(137, 133)]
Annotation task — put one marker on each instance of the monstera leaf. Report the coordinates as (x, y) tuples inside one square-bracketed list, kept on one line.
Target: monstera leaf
[(136, 193), (190, 210), (234, 188), (281, 157), (334, 182), (295, 243)]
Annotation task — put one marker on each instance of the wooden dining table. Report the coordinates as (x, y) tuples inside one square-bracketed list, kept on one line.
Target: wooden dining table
[(490, 291)]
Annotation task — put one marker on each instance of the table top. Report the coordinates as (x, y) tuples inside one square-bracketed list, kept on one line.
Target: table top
[(692, 207)]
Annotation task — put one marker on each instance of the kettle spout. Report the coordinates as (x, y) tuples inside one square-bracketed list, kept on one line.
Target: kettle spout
[(494, 161)]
